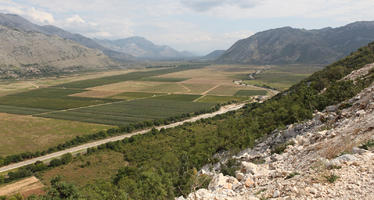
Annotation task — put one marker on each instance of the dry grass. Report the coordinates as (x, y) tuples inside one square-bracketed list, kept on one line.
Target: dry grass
[(25, 187), (102, 165), (127, 86), (14, 86), (20, 133)]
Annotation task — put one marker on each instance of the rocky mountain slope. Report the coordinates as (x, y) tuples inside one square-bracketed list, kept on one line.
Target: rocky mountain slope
[(142, 48), (328, 157), (32, 53), (290, 45), (18, 22)]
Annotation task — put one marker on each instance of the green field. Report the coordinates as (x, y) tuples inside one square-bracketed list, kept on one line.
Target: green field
[(136, 95), (247, 93), (221, 99), (127, 77), (282, 77), (123, 113), (50, 99)]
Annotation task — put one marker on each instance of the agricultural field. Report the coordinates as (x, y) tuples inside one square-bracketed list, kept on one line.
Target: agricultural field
[(21, 133), (127, 112), (62, 108), (282, 77)]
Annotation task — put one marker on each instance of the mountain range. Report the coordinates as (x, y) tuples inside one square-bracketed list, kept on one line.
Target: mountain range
[(140, 47), (18, 22), (300, 46)]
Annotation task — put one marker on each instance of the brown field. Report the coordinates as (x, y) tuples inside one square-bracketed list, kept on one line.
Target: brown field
[(14, 86), (25, 187), (102, 165), (20, 133), (215, 80)]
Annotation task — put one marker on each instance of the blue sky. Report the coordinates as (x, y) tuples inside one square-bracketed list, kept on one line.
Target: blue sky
[(199, 26)]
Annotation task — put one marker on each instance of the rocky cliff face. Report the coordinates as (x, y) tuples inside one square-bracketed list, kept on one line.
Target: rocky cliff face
[(37, 53), (289, 45), (328, 157)]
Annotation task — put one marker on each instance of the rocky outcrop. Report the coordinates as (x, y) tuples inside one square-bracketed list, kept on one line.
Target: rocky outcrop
[(322, 158)]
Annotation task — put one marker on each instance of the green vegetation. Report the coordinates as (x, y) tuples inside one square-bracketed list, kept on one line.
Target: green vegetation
[(368, 145), (21, 110), (332, 178), (124, 113), (127, 77), (221, 99), (178, 97), (136, 95), (48, 98), (251, 92), (293, 174), (282, 77)]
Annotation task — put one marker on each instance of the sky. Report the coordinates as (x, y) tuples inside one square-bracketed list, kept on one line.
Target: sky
[(198, 26)]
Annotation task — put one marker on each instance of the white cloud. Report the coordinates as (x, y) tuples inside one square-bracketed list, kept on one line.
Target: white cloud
[(40, 16), (75, 19)]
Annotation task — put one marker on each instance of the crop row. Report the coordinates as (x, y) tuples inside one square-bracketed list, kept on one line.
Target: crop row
[(126, 77), (51, 99), (123, 113)]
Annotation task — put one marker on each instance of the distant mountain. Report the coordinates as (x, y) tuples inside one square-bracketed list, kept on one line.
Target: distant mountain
[(17, 22), (289, 45), (213, 55), (29, 53), (142, 48)]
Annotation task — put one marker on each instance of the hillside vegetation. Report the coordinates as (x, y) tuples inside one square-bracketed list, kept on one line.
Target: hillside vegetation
[(162, 164)]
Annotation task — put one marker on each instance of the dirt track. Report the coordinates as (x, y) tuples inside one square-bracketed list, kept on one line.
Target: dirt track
[(21, 186), (83, 147)]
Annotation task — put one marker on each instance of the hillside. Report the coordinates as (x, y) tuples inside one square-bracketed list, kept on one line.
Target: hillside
[(143, 48), (328, 164), (33, 54), (18, 22), (299, 46), (213, 55)]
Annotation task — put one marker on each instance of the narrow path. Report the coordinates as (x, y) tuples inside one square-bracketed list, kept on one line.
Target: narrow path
[(70, 109), (206, 92), (185, 87), (83, 147)]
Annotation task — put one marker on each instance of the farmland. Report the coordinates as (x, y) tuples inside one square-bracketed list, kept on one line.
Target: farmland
[(94, 102), (126, 112), (282, 77), (22, 133)]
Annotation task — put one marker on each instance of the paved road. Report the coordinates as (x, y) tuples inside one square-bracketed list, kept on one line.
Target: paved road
[(83, 147)]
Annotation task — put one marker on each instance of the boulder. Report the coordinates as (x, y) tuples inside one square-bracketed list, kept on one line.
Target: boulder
[(222, 182)]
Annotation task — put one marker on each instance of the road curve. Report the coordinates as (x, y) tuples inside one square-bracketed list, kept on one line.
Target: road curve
[(224, 109)]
